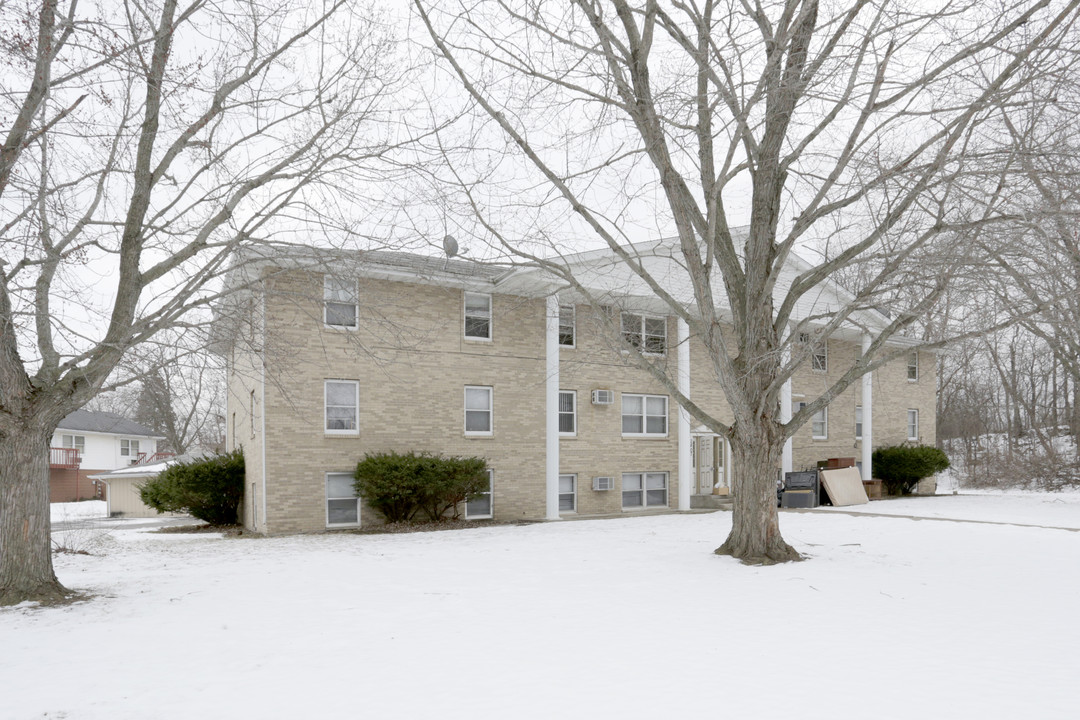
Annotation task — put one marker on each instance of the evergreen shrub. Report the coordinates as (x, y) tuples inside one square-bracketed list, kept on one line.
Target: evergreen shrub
[(210, 489), (900, 467), (402, 486)]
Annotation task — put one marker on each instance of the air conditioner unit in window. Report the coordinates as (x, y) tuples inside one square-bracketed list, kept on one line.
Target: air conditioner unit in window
[(603, 397), (603, 483)]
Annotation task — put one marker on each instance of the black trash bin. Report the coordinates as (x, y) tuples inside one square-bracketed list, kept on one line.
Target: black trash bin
[(801, 490)]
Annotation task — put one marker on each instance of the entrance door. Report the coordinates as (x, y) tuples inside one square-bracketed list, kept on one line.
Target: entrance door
[(710, 465), (705, 446)]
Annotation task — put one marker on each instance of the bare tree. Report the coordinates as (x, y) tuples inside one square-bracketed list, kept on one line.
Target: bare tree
[(175, 387), (854, 128), (147, 141)]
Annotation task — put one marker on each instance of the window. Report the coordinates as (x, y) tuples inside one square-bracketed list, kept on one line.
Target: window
[(819, 421), (912, 424), (479, 506), (477, 316), (567, 412), (641, 490), (858, 422), (913, 366), (568, 493), (646, 333), (76, 441), (342, 405), (819, 354), (645, 415), (819, 424), (342, 504), (340, 300), (478, 410), (129, 448), (251, 414), (566, 326)]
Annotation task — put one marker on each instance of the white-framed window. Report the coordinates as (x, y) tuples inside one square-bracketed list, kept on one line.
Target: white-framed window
[(819, 357), (858, 422), (641, 490), (913, 366), (645, 415), (647, 333), (568, 493), (341, 300), (567, 412), (342, 407), (819, 421), (78, 442), (479, 409), (342, 503), (129, 448), (251, 413), (479, 506), (477, 316), (912, 424), (567, 326), (819, 424), (819, 353)]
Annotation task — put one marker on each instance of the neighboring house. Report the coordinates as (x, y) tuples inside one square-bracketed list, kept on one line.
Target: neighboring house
[(88, 442), (390, 351), (122, 487)]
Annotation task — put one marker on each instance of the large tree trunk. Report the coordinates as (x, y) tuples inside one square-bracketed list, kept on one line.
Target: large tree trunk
[(755, 526), (26, 571)]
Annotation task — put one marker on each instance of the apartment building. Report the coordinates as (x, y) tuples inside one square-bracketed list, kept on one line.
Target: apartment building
[(334, 355)]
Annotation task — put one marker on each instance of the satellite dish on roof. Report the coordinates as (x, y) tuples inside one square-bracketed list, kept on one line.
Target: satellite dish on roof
[(449, 246)]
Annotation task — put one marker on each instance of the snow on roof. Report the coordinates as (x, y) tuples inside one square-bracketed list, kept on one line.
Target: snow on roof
[(104, 422)]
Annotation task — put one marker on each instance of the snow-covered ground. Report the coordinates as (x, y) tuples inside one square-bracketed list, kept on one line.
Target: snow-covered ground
[(72, 511), (628, 618)]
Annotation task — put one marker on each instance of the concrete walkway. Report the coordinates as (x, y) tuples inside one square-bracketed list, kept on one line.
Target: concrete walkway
[(861, 513)]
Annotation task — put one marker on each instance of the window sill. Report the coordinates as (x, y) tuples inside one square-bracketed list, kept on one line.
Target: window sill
[(635, 436), (347, 328), (468, 339), (474, 436)]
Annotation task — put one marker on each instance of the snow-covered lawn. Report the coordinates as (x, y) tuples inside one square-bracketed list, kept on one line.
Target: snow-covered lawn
[(627, 618), (72, 511)]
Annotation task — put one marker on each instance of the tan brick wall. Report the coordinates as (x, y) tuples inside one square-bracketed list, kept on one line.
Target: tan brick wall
[(412, 364), (599, 448), (244, 415), (893, 395)]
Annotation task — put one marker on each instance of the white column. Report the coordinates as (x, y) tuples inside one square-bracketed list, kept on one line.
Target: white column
[(551, 343), (867, 416), (685, 461), (785, 412)]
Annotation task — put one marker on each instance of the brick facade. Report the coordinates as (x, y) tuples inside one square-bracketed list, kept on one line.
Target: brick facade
[(412, 363)]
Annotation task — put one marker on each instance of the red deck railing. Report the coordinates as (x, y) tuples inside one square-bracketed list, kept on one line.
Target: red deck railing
[(64, 458), (145, 459)]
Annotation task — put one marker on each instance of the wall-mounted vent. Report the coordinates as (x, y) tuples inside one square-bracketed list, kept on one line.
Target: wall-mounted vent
[(603, 397), (603, 483)]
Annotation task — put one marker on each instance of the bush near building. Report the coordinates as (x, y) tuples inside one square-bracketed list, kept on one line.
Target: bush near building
[(402, 486), (210, 489), (900, 467)]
